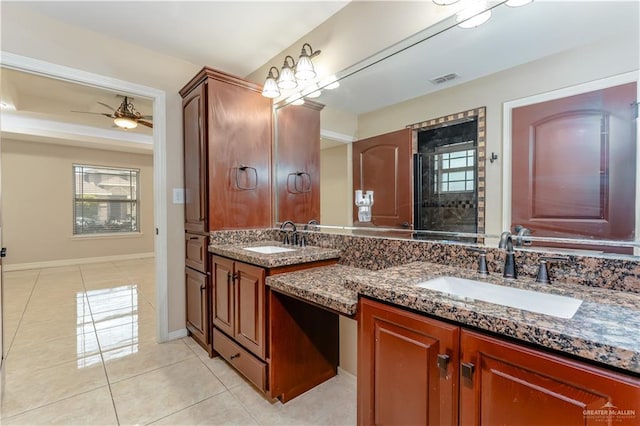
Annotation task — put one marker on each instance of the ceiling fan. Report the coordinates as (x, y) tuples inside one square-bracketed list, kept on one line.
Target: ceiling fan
[(125, 116)]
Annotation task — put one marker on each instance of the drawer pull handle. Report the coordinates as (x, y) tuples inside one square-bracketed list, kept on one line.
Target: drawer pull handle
[(193, 238), (443, 361), (467, 370), (235, 356)]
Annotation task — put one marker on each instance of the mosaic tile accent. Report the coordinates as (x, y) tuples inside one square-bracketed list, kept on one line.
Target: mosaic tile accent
[(480, 115)]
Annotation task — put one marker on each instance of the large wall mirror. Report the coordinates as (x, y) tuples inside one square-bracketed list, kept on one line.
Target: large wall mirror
[(519, 60)]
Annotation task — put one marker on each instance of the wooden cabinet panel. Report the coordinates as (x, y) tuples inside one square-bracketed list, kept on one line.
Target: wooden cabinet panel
[(251, 367), (239, 131), (383, 164), (197, 304), (195, 160), (304, 342), (512, 384), (407, 367), (298, 171), (196, 252), (223, 294), (249, 308)]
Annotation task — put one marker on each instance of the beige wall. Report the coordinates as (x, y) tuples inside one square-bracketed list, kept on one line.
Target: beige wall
[(335, 171), (38, 203), (35, 36)]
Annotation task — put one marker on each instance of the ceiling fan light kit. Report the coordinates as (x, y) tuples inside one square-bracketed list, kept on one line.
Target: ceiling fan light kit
[(475, 12), (125, 123), (125, 116)]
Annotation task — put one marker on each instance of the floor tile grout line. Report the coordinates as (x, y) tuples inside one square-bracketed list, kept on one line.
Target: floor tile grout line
[(187, 407), (104, 367), (13, 338), (49, 403)]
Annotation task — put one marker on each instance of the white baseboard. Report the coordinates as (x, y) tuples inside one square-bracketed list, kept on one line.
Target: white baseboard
[(72, 262), (346, 373), (177, 334)]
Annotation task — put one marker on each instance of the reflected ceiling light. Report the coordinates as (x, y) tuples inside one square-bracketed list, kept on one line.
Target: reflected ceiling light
[(516, 3), (330, 83), (270, 88), (295, 99), (311, 91), (445, 2), (474, 14), (290, 73), (287, 79), (304, 68), (125, 123)]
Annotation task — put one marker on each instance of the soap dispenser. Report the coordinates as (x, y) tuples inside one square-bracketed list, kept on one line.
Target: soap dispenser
[(364, 202)]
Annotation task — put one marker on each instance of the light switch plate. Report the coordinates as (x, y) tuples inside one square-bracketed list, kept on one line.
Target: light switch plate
[(178, 195)]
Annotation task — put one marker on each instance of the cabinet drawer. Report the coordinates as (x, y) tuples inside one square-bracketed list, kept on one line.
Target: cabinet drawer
[(196, 252), (253, 369)]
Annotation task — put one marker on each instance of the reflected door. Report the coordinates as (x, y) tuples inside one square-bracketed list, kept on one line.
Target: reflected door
[(382, 164), (573, 165)]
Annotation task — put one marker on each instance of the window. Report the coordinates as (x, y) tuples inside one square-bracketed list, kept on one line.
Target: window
[(455, 171), (105, 200)]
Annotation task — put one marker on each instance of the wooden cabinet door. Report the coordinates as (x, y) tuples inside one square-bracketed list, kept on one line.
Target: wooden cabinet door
[(298, 171), (383, 164), (195, 160), (197, 304), (223, 294), (515, 385), (407, 367), (249, 308), (239, 132), (573, 169)]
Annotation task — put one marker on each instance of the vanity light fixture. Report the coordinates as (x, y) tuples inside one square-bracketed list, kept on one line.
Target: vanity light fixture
[(329, 83), (287, 79), (291, 72), (474, 14), (125, 123), (270, 88), (304, 68)]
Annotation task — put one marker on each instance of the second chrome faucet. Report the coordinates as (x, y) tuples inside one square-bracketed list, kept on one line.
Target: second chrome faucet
[(506, 243)]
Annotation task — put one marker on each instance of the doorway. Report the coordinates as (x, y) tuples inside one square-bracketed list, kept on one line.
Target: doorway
[(29, 65), (571, 164)]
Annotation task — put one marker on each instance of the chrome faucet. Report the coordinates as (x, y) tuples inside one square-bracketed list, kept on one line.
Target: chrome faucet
[(294, 237), (509, 259), (522, 232)]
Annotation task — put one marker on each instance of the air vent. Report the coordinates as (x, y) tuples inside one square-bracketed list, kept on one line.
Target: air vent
[(444, 78)]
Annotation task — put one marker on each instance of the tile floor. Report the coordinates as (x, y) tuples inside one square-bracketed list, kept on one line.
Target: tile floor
[(81, 351)]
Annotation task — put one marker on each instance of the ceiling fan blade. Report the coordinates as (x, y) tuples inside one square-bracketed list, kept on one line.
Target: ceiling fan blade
[(108, 106), (96, 113), (147, 117), (145, 123)]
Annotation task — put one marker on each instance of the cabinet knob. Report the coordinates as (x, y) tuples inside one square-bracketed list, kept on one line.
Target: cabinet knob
[(235, 356), (443, 361), (467, 370)]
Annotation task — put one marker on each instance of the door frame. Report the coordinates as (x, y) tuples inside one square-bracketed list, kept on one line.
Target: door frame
[(47, 69), (603, 83)]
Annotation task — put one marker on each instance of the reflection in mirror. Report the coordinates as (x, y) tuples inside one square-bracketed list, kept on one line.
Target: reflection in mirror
[(518, 54)]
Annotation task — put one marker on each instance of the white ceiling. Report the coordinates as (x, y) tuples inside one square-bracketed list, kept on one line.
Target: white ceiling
[(235, 36)]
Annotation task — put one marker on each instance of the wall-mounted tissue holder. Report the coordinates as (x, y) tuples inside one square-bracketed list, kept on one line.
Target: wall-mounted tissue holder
[(364, 202)]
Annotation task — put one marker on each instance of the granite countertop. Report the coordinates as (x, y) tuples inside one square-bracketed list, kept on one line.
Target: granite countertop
[(323, 285), (606, 327), (272, 260)]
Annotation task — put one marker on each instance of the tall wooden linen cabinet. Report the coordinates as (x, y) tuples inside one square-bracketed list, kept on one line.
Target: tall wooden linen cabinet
[(227, 176)]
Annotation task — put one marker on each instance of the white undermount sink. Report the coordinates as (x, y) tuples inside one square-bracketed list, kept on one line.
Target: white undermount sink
[(542, 303), (269, 249)]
